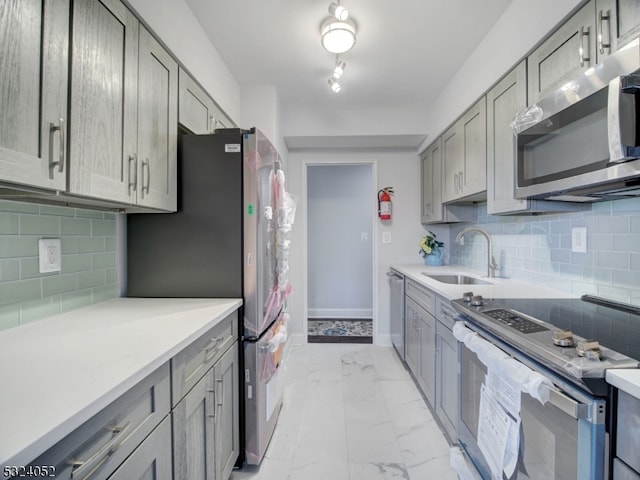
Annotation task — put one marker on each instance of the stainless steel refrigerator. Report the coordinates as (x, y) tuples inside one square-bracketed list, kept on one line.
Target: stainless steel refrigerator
[(229, 238)]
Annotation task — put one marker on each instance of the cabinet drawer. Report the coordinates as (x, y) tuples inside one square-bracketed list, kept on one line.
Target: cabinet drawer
[(422, 295), (102, 443), (191, 364), (445, 313), (151, 460)]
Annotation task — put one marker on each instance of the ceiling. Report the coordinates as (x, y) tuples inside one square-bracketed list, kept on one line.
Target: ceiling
[(406, 51)]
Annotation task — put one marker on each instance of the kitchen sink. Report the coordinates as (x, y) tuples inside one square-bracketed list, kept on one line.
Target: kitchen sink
[(457, 279)]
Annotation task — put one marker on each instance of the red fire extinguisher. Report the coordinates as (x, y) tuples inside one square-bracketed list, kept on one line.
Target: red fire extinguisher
[(384, 203)]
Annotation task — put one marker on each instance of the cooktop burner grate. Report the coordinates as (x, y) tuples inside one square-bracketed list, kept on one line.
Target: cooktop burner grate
[(512, 320)]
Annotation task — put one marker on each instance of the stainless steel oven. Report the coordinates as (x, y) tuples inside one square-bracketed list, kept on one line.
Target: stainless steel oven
[(563, 438), (534, 402)]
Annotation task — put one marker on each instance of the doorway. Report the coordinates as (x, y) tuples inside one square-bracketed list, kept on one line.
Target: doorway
[(340, 253)]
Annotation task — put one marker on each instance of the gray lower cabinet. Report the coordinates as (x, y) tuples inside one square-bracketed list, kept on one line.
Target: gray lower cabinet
[(627, 462), (205, 387), (151, 460), (446, 404), (98, 447), (33, 92), (420, 336), (205, 424)]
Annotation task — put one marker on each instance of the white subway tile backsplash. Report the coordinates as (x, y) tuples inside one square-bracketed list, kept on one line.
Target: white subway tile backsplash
[(538, 249), (89, 250)]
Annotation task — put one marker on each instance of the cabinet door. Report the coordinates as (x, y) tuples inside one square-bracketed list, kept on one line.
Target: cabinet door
[(432, 211), (196, 108), (33, 93), (157, 125), (451, 163), (193, 432), (411, 336), (446, 379), (103, 127), (473, 132), (427, 336), (566, 53), (151, 460), (507, 98), (227, 444), (618, 22)]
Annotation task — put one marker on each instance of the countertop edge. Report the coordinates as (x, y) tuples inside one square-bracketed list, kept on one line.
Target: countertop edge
[(627, 380), (27, 453)]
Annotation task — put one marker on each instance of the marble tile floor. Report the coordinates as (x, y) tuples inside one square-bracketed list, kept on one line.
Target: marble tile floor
[(351, 412)]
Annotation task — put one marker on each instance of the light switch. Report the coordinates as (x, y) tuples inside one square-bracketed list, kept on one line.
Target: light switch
[(50, 253), (386, 237), (364, 236)]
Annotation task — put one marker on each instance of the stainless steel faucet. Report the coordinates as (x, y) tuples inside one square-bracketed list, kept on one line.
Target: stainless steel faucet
[(491, 263)]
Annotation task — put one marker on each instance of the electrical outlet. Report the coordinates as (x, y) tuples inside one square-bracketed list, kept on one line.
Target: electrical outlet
[(579, 239), (50, 255)]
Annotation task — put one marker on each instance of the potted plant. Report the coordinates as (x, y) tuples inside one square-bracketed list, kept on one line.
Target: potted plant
[(429, 249)]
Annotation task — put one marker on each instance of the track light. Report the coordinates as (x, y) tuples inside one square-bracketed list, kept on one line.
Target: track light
[(338, 11), (339, 68), (335, 86)]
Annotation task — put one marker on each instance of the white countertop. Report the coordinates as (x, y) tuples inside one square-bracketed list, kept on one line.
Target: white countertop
[(499, 288), (627, 380), (57, 373)]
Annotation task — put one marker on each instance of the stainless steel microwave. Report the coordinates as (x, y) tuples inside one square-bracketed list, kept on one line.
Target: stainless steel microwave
[(582, 142)]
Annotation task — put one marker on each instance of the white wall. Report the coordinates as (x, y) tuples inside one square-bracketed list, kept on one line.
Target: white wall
[(400, 170), (260, 108), (520, 28), (339, 259)]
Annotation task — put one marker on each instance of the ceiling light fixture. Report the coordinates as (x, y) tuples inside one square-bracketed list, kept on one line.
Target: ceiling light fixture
[(335, 86), (339, 68), (338, 36), (338, 11)]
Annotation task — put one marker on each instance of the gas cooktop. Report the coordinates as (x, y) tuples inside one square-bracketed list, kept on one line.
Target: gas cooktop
[(577, 337)]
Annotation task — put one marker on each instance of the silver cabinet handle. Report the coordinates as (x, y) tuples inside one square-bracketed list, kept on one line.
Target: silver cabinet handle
[(582, 57), (85, 469), (212, 391), (220, 394), (212, 123), (133, 178), (52, 130), (601, 18), (455, 183), (145, 184), (461, 180), (212, 346)]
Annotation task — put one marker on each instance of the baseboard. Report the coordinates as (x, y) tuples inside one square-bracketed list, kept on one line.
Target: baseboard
[(340, 313), (298, 339), (383, 340)]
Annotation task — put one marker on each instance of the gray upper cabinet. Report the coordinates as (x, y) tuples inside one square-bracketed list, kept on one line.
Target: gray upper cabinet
[(104, 79), (157, 126), (33, 92), (504, 101), (431, 159), (618, 22), (464, 156), (562, 56), (197, 111)]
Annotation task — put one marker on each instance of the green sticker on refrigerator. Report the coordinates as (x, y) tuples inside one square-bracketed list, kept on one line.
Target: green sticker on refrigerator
[(250, 209)]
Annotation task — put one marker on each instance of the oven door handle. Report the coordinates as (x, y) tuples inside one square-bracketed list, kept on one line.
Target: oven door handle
[(568, 405)]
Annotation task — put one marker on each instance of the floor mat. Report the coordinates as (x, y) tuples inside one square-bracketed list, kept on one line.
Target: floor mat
[(328, 330)]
